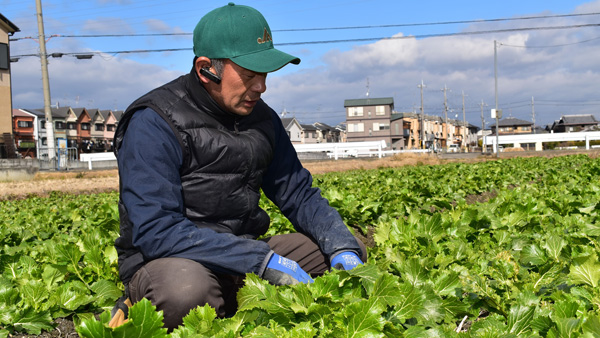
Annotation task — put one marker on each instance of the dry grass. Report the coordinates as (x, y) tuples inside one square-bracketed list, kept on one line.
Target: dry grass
[(80, 182)]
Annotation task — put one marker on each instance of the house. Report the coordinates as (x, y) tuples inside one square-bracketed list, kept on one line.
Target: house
[(84, 130), (97, 132), (60, 115), (71, 129), (25, 132), (404, 130), (327, 133), (110, 126), (309, 133), (293, 129), (511, 126), (7, 143), (369, 119), (574, 123)]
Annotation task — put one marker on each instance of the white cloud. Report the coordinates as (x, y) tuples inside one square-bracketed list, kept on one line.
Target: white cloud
[(463, 63), (94, 83), (393, 68)]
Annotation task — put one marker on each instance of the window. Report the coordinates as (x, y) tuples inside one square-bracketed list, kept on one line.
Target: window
[(356, 128), (99, 127), (85, 126), (355, 111), (111, 127), (71, 126), (43, 124), (59, 125), (4, 56), (24, 124), (380, 126), (379, 110)]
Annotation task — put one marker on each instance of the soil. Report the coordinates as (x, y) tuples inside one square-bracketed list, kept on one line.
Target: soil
[(95, 181), (87, 182)]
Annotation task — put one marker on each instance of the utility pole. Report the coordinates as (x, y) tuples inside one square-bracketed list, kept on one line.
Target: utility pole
[(445, 129), (496, 94), (482, 127), (533, 114), (46, 83), (422, 137), (464, 122)]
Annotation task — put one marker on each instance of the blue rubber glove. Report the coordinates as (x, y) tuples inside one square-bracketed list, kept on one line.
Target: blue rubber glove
[(346, 260), (284, 271)]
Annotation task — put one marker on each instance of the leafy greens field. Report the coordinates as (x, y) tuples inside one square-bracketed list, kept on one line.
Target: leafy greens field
[(504, 248)]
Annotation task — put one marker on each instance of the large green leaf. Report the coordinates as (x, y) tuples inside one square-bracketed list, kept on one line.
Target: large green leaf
[(519, 319), (363, 319), (33, 321), (587, 272)]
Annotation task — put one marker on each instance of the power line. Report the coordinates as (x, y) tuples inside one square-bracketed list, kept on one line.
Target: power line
[(331, 28), (345, 40), (436, 23)]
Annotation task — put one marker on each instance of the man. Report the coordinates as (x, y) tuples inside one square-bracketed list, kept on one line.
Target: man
[(193, 156)]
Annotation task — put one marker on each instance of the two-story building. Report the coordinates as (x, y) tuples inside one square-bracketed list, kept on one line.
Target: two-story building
[(327, 133), (25, 132), (293, 129), (511, 126), (574, 123), (7, 143), (309, 134), (110, 126), (369, 119)]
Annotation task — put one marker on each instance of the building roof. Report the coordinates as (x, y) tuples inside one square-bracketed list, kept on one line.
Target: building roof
[(118, 114), (308, 127), (9, 26), (578, 119), (78, 111), (369, 102), (38, 112), (23, 113), (105, 114), (61, 112), (323, 126), (512, 121)]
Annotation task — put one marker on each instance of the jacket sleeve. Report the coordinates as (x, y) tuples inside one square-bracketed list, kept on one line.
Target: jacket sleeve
[(149, 161), (289, 186)]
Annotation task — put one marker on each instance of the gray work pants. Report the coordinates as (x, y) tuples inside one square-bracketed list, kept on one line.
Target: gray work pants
[(177, 285)]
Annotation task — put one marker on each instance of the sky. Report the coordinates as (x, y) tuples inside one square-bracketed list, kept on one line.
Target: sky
[(545, 53)]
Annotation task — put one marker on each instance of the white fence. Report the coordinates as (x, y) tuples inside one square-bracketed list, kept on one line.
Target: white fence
[(92, 157), (344, 149), (539, 139)]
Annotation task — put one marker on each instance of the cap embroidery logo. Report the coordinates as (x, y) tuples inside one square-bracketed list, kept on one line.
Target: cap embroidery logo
[(266, 37)]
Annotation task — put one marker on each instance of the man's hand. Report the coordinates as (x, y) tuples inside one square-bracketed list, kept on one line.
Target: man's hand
[(284, 271), (346, 260)]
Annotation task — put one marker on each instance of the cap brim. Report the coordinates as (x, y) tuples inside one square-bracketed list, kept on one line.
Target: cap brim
[(265, 61)]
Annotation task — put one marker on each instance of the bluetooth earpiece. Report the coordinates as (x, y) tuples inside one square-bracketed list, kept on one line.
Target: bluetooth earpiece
[(210, 75)]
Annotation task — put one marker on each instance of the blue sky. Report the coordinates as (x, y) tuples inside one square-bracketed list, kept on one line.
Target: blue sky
[(559, 67)]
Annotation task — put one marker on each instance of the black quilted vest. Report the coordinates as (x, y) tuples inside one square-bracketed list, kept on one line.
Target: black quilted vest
[(224, 159)]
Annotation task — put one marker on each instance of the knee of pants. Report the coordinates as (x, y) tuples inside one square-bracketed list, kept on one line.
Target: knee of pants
[(176, 286)]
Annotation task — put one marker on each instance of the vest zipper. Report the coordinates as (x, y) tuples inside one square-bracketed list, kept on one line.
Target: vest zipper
[(235, 127)]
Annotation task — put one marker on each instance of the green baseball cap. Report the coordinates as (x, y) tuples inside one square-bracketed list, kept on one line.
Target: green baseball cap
[(241, 34)]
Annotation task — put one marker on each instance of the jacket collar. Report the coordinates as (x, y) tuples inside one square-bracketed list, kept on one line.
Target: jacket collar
[(203, 100)]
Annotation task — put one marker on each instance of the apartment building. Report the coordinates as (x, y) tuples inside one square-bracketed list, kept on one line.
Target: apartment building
[(7, 143)]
